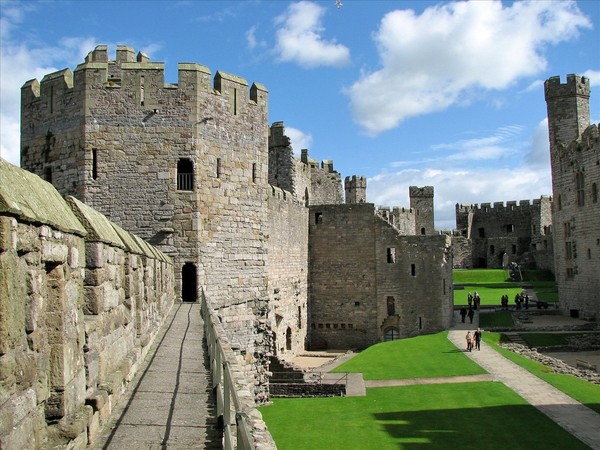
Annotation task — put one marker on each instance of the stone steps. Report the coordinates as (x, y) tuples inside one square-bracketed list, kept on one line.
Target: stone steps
[(516, 338)]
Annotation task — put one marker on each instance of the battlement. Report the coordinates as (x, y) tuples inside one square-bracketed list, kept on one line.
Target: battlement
[(140, 74), (356, 181), (576, 85), (511, 205), (425, 191)]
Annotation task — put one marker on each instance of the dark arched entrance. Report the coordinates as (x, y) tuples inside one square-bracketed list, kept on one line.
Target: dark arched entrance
[(189, 285)]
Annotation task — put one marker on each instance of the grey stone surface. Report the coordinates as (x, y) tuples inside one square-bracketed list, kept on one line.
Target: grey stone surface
[(170, 403)]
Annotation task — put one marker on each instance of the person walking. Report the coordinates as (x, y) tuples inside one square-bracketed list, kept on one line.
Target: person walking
[(477, 338), (471, 313), (463, 314), (469, 339)]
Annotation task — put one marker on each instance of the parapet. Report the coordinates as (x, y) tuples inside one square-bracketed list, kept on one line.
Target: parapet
[(425, 191), (576, 85), (97, 68), (356, 181), (511, 205)]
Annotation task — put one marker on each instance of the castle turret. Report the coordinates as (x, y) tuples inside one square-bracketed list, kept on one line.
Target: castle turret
[(568, 108), (421, 201), (356, 189)]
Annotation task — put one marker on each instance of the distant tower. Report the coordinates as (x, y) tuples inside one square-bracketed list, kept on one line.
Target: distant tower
[(421, 201), (356, 189)]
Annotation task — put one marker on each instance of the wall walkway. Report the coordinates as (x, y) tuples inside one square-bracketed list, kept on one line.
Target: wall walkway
[(170, 403)]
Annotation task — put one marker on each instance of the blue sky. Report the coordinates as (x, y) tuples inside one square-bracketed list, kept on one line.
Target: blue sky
[(448, 94)]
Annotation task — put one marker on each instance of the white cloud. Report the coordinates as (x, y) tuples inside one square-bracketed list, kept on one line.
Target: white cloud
[(538, 155), (300, 40), (452, 52), (594, 76), (22, 61), (525, 178), (252, 40), (299, 139)]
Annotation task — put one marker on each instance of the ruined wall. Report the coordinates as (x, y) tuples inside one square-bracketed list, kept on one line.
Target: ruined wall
[(368, 283), (80, 306), (513, 229), (401, 218), (575, 160), (288, 272)]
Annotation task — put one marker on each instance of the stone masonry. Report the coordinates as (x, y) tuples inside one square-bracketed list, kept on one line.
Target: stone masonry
[(81, 301), (575, 161)]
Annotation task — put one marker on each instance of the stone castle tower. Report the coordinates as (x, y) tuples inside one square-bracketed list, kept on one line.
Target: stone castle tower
[(421, 201), (575, 160), (356, 189)]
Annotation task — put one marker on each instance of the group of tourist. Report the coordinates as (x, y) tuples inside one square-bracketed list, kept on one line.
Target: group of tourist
[(473, 340), (464, 313), (521, 301), (473, 300)]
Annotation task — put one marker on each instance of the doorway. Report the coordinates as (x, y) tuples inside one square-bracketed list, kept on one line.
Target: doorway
[(189, 284)]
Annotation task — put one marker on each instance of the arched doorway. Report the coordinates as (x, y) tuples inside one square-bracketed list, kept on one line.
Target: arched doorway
[(391, 334), (189, 284)]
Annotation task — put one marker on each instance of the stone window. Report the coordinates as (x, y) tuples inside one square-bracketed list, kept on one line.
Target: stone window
[(559, 202), (327, 325), (481, 232), (288, 339), (413, 270), (492, 249), (335, 325), (510, 228), (218, 168), (356, 303), (299, 317), (514, 249), (320, 325), (48, 174), (391, 306), (423, 230), (579, 186), (254, 172), (318, 218), (342, 325), (570, 273), (350, 326), (185, 175), (594, 193), (589, 252), (568, 250), (391, 255), (94, 163)]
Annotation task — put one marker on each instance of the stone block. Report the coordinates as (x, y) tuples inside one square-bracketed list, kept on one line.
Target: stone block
[(8, 234), (94, 255), (54, 252)]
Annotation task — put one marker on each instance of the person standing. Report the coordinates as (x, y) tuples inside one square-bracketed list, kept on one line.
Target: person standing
[(477, 338), (469, 339), (463, 314), (471, 313)]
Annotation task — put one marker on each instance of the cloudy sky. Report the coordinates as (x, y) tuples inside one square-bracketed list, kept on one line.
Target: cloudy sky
[(447, 94)]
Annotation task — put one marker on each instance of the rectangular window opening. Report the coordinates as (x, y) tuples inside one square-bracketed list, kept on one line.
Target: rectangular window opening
[(391, 255), (254, 172), (218, 167), (318, 218), (413, 270), (94, 163)]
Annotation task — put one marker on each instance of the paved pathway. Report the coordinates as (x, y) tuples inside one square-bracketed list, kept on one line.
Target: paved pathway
[(574, 417), (170, 404)]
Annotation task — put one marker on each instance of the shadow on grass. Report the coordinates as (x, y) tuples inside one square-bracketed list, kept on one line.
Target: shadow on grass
[(492, 427)]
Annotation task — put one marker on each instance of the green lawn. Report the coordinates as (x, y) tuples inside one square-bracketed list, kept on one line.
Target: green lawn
[(496, 319), (581, 390), (547, 339), (419, 357), (483, 415), (491, 284)]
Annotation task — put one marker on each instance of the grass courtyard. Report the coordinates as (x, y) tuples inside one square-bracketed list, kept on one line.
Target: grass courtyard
[(492, 284), (473, 415)]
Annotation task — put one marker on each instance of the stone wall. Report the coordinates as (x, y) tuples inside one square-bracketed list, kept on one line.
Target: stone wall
[(287, 269), (368, 283), (513, 229), (80, 303)]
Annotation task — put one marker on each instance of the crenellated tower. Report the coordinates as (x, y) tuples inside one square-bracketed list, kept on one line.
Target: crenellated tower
[(575, 157), (356, 189), (421, 201)]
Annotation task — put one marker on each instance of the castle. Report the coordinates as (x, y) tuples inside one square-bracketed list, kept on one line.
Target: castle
[(268, 239), (287, 257)]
